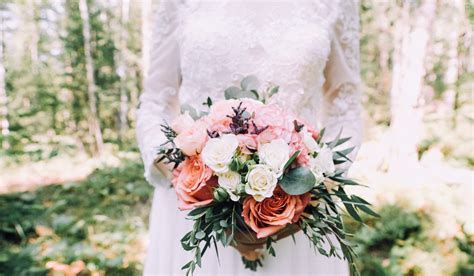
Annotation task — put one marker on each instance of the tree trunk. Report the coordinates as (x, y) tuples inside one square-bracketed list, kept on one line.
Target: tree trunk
[(123, 68), (411, 42), (453, 67), (146, 7), (94, 124), (4, 124)]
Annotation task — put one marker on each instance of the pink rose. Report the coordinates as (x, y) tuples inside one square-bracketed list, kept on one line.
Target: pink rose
[(297, 144), (220, 110), (193, 183), (191, 140), (247, 143), (272, 115), (219, 126), (182, 122), (272, 133)]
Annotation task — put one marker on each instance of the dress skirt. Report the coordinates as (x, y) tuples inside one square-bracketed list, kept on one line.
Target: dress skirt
[(166, 256)]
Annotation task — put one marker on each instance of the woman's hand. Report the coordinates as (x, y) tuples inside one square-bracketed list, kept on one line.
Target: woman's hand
[(249, 245), (165, 169)]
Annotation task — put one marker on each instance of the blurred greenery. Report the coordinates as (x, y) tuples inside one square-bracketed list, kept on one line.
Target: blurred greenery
[(399, 244), (100, 221)]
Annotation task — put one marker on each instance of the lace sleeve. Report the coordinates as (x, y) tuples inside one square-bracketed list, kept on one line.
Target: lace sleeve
[(341, 100), (159, 100)]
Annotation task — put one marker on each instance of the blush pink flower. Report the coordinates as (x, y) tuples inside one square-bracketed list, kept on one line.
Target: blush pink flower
[(182, 123), (247, 143), (296, 144), (193, 183), (192, 140), (270, 115)]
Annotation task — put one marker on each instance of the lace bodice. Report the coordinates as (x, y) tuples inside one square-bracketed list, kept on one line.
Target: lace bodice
[(310, 48)]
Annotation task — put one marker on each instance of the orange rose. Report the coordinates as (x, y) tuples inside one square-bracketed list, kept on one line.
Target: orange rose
[(193, 183), (273, 214)]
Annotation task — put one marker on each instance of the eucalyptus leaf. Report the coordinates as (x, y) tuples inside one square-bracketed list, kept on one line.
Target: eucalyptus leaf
[(298, 181), (248, 94), (249, 83), (232, 92), (200, 235), (191, 111), (292, 158)]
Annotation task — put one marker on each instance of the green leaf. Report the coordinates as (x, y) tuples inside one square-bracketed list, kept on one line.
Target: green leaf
[(292, 158), (334, 142), (249, 83), (298, 181), (248, 94), (223, 223), (186, 265), (198, 256), (342, 141), (232, 92), (349, 207), (321, 134), (274, 90), (208, 102), (200, 235), (347, 151), (338, 154), (186, 246), (197, 213), (191, 110), (235, 93)]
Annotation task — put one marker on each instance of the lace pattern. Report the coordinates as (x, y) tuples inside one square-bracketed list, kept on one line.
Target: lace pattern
[(217, 43)]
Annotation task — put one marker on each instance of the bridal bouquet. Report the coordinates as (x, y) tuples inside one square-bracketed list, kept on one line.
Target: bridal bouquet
[(252, 172)]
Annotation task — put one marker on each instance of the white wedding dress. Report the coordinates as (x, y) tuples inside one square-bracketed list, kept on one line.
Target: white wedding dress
[(310, 48)]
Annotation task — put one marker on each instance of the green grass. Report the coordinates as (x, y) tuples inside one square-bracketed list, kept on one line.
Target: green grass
[(100, 221)]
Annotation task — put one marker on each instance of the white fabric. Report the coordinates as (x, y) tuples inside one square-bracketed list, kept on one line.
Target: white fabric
[(309, 48)]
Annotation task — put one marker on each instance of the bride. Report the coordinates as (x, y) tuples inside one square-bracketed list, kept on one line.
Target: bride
[(310, 48)]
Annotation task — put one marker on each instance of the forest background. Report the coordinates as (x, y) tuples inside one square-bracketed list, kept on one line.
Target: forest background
[(72, 195)]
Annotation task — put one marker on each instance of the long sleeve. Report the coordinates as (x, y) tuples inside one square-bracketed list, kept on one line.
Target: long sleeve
[(341, 91), (159, 101)]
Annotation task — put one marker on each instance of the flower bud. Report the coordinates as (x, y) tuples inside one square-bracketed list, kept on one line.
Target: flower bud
[(241, 189), (220, 194)]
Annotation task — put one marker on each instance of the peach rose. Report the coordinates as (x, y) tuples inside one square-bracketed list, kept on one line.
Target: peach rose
[(192, 140), (193, 183), (273, 214), (182, 123)]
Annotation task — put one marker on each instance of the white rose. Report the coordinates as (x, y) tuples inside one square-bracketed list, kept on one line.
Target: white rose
[(261, 181), (275, 154), (218, 152), (322, 164), (309, 141), (229, 181)]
